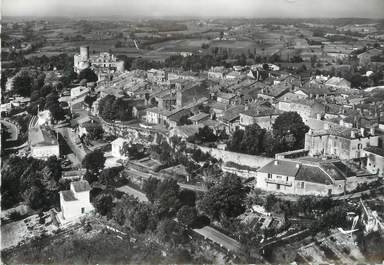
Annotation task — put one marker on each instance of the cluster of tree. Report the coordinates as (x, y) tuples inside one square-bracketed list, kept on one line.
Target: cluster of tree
[(225, 199), (305, 206), (112, 108), (173, 156), (94, 161), (94, 130), (52, 104), (42, 91), (288, 134), (133, 151), (200, 156), (325, 212), (108, 177), (167, 201), (36, 182), (89, 100), (144, 64), (88, 74), (60, 62), (195, 63), (146, 218), (248, 141), (167, 195), (27, 81), (5, 135), (204, 135)]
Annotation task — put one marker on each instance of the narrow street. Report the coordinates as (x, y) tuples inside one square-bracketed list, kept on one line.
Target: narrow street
[(70, 137)]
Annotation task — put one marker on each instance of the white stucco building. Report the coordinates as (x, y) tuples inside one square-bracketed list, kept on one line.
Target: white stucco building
[(375, 160), (75, 202), (117, 147), (294, 177), (44, 118)]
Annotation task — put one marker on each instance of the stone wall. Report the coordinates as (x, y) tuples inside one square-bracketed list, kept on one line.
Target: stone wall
[(238, 158), (353, 182)]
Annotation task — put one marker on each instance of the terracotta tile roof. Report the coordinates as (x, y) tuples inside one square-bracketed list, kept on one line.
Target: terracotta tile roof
[(199, 116), (260, 111), (316, 172), (313, 174), (281, 167), (232, 113)]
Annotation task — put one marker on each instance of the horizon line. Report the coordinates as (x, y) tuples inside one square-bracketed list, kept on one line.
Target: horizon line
[(183, 17)]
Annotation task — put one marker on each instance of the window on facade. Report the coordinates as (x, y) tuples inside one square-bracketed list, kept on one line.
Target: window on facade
[(278, 186), (82, 210), (359, 146), (302, 185), (269, 175)]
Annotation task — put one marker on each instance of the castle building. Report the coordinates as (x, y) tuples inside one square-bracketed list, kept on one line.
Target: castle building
[(103, 64)]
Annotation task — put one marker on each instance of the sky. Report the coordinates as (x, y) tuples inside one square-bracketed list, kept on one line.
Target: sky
[(196, 8)]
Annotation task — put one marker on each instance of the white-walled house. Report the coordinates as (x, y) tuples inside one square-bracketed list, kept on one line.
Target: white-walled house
[(44, 118), (75, 202), (117, 147), (299, 178), (375, 160)]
